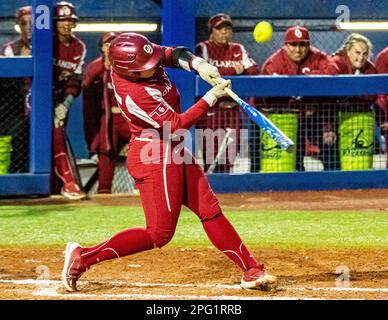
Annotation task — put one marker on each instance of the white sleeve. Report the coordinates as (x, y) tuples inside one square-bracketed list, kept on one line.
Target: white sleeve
[(246, 60)]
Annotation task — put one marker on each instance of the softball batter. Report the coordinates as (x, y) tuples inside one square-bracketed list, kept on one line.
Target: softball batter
[(150, 102)]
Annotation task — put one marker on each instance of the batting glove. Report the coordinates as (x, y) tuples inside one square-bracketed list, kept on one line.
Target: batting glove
[(217, 91), (205, 70), (61, 111), (58, 123)]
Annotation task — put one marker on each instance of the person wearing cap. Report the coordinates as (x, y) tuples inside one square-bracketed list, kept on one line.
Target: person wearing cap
[(22, 45), (18, 110), (106, 131), (165, 172), (353, 58), (299, 57), (68, 60), (381, 64), (231, 59)]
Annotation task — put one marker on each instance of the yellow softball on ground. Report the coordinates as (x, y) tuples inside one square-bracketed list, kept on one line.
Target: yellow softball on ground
[(262, 32)]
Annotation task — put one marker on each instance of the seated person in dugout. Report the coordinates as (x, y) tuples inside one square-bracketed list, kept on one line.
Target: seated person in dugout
[(299, 57), (16, 95), (231, 59), (382, 100), (356, 113), (106, 130)]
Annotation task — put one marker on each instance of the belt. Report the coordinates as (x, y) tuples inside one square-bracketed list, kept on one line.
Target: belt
[(115, 109)]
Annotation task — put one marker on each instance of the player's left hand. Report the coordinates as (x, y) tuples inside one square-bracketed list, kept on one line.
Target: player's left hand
[(61, 111), (208, 72)]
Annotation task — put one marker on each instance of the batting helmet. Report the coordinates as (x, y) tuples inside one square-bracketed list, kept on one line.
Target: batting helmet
[(64, 10), (23, 11), (132, 52)]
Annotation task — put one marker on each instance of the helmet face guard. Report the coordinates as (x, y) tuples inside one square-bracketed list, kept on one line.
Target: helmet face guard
[(130, 53)]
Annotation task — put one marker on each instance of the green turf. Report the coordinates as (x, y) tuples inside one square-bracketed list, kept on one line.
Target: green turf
[(55, 225)]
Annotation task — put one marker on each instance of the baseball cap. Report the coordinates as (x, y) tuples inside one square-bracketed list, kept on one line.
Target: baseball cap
[(297, 34), (23, 11), (108, 36), (217, 20)]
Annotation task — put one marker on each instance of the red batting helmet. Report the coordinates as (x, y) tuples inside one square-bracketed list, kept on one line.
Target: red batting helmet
[(132, 52), (107, 37), (64, 10), (23, 11), (297, 34)]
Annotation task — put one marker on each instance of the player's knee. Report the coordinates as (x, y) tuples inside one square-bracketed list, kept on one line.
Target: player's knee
[(161, 238)]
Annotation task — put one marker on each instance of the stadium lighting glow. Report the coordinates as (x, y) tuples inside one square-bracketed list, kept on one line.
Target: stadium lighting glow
[(118, 27), (104, 27), (364, 25)]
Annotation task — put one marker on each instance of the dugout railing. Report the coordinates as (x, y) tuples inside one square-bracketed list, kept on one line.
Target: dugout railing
[(38, 68)]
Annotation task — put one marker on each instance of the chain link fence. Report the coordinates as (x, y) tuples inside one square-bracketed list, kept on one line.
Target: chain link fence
[(14, 126), (328, 136)]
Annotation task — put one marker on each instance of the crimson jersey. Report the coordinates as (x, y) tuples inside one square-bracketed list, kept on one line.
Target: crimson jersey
[(68, 61), (316, 62), (226, 57), (382, 67), (14, 48), (98, 99), (382, 61), (345, 66), (148, 103)]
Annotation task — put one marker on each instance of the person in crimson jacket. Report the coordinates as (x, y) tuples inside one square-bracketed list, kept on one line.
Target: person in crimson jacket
[(299, 57), (165, 172), (68, 61), (353, 57), (382, 100), (17, 124), (231, 59), (106, 131)]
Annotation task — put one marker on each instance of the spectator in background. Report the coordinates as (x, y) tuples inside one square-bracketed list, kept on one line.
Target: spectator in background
[(299, 57), (15, 118), (356, 112), (22, 45), (69, 55), (106, 130), (231, 59), (382, 100)]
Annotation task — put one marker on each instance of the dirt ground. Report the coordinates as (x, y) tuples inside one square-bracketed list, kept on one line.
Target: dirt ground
[(190, 273)]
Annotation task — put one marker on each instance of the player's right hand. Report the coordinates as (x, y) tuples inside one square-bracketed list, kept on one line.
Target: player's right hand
[(58, 123), (61, 111), (217, 91)]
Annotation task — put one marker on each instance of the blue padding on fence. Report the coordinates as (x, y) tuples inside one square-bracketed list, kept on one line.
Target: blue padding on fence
[(16, 67), (254, 182), (22, 184), (308, 86)]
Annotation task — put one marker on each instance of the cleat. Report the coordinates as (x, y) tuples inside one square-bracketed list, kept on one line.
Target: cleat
[(73, 266), (257, 278), (72, 191)]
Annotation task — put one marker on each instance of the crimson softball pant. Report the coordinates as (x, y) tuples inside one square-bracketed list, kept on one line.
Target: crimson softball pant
[(165, 186), (106, 160), (220, 118), (62, 166)]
